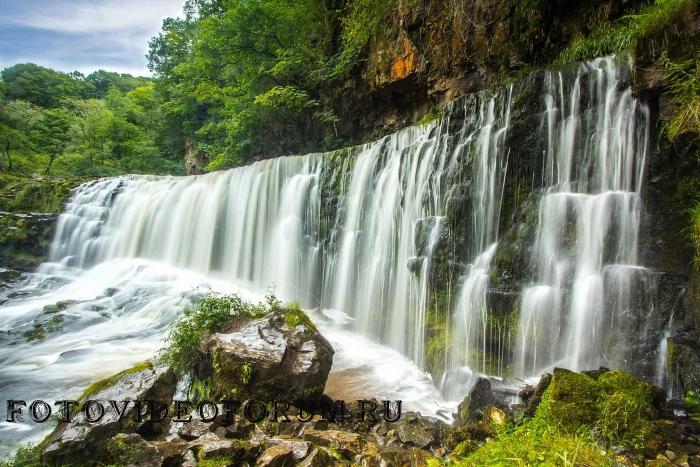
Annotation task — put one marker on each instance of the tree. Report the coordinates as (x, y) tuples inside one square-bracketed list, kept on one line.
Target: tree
[(90, 127), (40, 86), (52, 134), (237, 78), (17, 118), (101, 81)]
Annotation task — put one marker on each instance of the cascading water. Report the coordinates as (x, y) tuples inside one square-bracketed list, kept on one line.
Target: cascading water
[(361, 237), (470, 314), (585, 253)]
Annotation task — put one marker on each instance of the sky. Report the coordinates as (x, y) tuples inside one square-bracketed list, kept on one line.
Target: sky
[(82, 35)]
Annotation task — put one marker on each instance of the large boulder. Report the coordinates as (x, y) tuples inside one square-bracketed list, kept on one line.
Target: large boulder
[(80, 440), (279, 357)]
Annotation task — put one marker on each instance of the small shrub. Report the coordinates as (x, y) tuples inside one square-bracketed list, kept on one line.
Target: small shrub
[(26, 456), (209, 315)]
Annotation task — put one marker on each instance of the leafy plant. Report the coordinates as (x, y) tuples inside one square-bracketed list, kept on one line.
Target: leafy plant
[(201, 389), (209, 315), (692, 401), (246, 372), (361, 21), (26, 456)]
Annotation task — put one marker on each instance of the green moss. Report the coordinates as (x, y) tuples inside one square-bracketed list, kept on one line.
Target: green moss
[(536, 443), (37, 194), (433, 114), (294, 316), (218, 461), (616, 406), (38, 333), (692, 402), (570, 401), (580, 416), (98, 386)]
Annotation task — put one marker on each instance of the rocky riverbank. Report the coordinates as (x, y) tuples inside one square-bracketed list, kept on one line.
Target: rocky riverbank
[(265, 365)]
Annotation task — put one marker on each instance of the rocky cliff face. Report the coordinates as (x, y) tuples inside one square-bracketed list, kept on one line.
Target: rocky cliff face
[(431, 52)]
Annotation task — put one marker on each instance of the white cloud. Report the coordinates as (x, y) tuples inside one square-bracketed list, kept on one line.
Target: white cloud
[(110, 34), (96, 17)]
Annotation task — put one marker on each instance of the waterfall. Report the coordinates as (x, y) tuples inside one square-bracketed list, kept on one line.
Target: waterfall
[(255, 224), (468, 327), (392, 246), (585, 253)]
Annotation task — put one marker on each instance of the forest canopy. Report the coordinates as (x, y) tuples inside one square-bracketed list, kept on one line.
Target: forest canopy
[(233, 82), (104, 123)]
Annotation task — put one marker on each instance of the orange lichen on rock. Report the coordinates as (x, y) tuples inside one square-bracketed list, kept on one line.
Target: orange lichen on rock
[(404, 65)]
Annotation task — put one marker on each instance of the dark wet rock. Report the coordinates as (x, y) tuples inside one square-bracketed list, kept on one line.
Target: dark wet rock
[(532, 395), (684, 361), (415, 264), (58, 306), (80, 439), (280, 357), (193, 429), (474, 405), (173, 452), (430, 233), (478, 416), (399, 455), (7, 276), (239, 429), (422, 432), (26, 239), (347, 444)]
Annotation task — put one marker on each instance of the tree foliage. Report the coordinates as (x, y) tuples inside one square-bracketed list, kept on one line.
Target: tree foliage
[(244, 79), (68, 124)]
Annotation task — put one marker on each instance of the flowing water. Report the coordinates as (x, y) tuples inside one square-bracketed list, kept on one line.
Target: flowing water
[(585, 252), (356, 237)]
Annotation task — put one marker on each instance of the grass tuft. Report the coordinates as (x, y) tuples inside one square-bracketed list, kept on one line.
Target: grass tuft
[(625, 33)]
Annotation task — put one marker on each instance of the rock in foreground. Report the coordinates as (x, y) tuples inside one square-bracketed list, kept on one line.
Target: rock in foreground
[(279, 357)]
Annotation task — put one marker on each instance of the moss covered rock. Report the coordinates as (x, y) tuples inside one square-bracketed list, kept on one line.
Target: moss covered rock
[(80, 440), (279, 357), (615, 406)]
